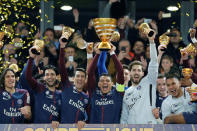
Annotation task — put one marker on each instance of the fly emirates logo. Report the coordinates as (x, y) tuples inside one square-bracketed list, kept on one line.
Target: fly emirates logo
[(12, 112), (104, 101), (79, 105), (52, 109)]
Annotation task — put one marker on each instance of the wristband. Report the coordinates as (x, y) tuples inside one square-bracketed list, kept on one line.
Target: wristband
[(194, 40), (89, 56), (120, 87), (112, 53)]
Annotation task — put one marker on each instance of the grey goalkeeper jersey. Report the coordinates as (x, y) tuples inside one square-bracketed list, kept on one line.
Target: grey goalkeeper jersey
[(137, 107)]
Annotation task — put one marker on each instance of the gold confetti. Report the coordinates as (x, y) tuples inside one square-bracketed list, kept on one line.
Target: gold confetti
[(187, 14), (37, 17), (179, 5), (52, 6), (46, 16)]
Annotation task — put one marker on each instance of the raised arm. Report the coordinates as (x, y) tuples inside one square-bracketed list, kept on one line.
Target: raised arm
[(63, 73), (91, 84), (32, 82), (118, 66), (153, 65)]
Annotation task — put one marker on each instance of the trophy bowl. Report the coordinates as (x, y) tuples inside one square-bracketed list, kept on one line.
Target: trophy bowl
[(144, 28), (187, 72), (66, 33), (39, 45), (82, 44), (190, 49), (164, 40), (104, 28)]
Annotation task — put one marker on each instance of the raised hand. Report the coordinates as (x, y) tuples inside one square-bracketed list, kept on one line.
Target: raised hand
[(161, 49), (192, 32), (31, 54), (89, 48), (113, 48), (152, 38), (96, 49), (62, 44)]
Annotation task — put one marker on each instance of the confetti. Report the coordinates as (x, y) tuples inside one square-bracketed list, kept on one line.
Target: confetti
[(179, 5), (17, 11)]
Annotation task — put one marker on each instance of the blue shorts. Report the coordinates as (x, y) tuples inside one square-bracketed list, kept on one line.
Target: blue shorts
[(190, 117)]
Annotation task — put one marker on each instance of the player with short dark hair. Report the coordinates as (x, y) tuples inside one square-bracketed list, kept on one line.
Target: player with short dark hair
[(74, 100), (106, 101), (47, 98)]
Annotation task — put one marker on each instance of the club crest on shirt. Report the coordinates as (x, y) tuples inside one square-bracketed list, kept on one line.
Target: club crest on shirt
[(85, 101), (75, 90), (48, 95), (6, 96), (189, 103), (47, 92), (139, 87), (20, 101)]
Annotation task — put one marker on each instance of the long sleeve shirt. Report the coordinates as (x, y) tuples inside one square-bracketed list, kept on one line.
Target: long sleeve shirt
[(74, 103), (47, 103), (105, 108), (138, 101), (10, 104), (173, 105)]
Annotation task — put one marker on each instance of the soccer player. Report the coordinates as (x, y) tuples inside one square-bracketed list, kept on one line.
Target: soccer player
[(14, 102), (47, 98), (106, 102), (74, 100), (184, 117), (142, 92), (161, 95), (178, 100)]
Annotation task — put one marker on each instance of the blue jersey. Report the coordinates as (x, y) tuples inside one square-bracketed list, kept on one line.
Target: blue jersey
[(74, 105), (106, 108), (47, 104), (159, 101), (10, 104)]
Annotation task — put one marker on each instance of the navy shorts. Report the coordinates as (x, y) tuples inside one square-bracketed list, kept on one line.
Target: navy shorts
[(190, 117)]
